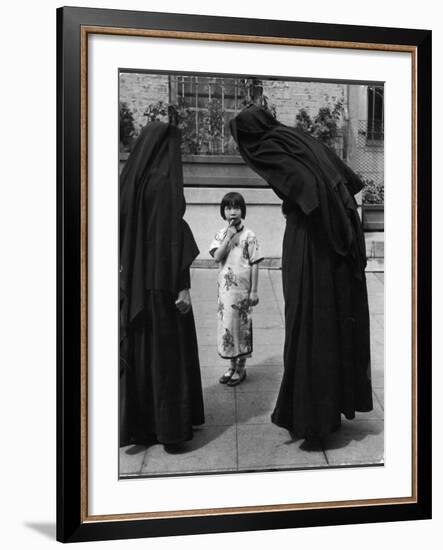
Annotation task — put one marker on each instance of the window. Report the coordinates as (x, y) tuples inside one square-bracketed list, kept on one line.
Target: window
[(375, 125), (206, 105)]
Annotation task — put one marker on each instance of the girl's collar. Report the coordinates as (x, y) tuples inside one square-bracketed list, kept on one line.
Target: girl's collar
[(240, 227)]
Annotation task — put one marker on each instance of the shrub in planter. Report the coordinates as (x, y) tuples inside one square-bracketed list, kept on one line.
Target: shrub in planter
[(373, 206), (127, 127), (325, 126), (373, 193)]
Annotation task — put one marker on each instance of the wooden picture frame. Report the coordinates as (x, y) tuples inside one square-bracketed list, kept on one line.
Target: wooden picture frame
[(74, 522)]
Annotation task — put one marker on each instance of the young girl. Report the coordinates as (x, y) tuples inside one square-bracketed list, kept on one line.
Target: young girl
[(236, 249)]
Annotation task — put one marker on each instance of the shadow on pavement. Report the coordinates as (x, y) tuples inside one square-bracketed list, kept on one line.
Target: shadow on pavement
[(353, 431)]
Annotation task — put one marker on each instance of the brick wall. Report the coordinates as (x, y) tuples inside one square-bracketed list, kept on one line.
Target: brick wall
[(289, 97), (138, 90)]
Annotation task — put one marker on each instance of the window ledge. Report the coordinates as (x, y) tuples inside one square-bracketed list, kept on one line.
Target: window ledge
[(213, 159), (375, 142), (200, 159)]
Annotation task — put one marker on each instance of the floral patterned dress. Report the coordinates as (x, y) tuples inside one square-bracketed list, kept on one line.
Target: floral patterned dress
[(234, 331)]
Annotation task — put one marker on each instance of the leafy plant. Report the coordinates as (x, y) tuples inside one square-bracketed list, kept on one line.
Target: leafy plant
[(184, 118), (179, 115), (373, 192), (212, 127), (156, 111), (325, 125), (127, 127)]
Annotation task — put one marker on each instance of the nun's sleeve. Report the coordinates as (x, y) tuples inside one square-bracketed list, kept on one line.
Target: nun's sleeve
[(189, 252), (352, 181)]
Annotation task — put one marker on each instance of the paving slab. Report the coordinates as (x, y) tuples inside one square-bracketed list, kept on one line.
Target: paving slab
[(131, 459), (358, 442), (268, 318), (376, 305), (207, 335), (270, 321), (375, 283), (376, 413), (377, 333), (379, 319), (277, 288), (266, 446), (375, 265), (238, 434), (210, 358), (255, 407), (262, 355), (380, 396), (380, 277), (261, 378), (212, 449), (264, 336), (377, 366), (219, 404)]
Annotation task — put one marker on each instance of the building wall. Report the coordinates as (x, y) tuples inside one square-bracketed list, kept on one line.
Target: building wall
[(289, 97), (366, 159), (139, 90), (264, 208)]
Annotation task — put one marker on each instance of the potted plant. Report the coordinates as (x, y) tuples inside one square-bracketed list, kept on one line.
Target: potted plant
[(373, 205), (325, 126), (127, 128)]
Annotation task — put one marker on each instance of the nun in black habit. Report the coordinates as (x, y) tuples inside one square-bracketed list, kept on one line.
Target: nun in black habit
[(160, 383), (327, 346)]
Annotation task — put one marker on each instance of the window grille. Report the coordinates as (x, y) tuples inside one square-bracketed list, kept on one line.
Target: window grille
[(375, 124), (209, 104)]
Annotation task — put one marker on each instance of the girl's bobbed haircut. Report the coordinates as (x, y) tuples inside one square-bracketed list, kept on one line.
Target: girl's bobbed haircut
[(233, 199)]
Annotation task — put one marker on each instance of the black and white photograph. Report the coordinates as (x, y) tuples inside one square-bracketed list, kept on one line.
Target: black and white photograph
[(251, 273), (220, 231)]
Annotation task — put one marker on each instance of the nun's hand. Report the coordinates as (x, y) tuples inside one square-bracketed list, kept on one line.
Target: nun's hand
[(183, 302)]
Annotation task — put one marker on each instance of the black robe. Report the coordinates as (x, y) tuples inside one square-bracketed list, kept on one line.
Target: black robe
[(160, 382), (327, 344)]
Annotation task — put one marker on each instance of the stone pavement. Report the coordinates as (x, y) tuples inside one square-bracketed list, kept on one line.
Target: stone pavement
[(238, 434)]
